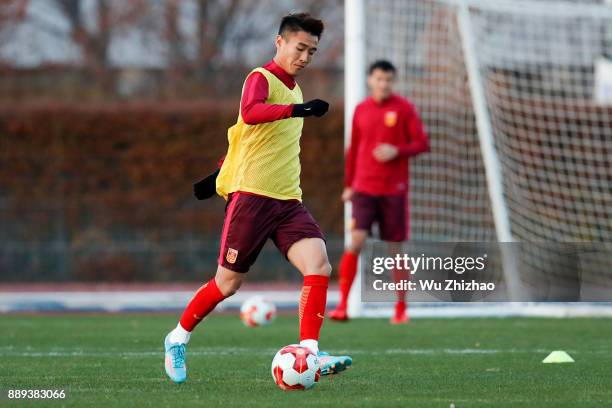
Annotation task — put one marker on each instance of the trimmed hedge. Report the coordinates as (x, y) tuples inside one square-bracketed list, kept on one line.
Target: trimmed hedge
[(105, 192)]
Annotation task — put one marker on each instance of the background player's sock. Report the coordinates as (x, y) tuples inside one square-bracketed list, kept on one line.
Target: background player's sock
[(398, 276), (348, 270), (312, 306), (311, 344), (400, 307), (179, 335), (202, 303)]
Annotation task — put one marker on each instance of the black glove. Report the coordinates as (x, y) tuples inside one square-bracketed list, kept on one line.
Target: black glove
[(206, 187), (316, 107)]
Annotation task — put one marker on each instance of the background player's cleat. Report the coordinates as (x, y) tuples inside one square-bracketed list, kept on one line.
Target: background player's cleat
[(400, 319), (400, 316), (339, 315), (333, 364), (174, 361)]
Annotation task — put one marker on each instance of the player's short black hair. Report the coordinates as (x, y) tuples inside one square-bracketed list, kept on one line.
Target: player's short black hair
[(383, 65), (301, 22)]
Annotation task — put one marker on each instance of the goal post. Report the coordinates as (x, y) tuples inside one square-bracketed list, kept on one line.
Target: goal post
[(354, 92), (489, 155), (513, 97)]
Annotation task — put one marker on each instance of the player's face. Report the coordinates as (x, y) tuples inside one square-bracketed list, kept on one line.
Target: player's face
[(381, 84), (294, 50)]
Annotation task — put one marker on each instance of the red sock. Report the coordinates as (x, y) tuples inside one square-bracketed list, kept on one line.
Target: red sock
[(398, 276), (348, 270), (400, 308), (312, 306), (202, 303)]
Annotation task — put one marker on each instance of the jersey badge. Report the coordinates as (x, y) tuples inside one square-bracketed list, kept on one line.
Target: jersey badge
[(390, 118)]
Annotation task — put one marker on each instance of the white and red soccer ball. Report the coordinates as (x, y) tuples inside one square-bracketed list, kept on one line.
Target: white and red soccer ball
[(257, 311), (295, 367)]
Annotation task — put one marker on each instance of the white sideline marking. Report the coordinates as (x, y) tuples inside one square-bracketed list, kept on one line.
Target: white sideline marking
[(118, 301)]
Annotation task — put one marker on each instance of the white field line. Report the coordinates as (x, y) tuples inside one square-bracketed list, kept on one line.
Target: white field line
[(12, 351)]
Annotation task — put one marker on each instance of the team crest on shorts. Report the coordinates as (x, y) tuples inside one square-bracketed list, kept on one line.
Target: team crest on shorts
[(231, 255), (390, 118)]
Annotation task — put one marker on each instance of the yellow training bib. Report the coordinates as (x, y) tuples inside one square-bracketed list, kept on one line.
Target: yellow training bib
[(264, 158)]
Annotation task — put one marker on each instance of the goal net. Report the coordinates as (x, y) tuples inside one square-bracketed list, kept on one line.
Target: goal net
[(541, 67)]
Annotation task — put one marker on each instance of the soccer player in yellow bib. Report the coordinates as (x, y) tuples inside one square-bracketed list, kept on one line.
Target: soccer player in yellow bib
[(260, 179)]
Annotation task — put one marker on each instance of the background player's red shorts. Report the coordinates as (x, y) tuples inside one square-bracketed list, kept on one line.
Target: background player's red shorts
[(388, 210), (251, 219)]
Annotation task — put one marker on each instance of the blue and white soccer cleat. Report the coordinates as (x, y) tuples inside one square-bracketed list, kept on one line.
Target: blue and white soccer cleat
[(333, 364), (175, 360)]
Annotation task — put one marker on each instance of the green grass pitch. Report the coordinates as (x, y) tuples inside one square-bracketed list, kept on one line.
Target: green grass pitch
[(116, 361)]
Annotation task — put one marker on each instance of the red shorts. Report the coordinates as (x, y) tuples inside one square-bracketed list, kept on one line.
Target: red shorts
[(251, 219), (389, 211)]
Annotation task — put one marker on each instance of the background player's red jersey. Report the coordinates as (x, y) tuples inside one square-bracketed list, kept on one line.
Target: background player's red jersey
[(394, 121)]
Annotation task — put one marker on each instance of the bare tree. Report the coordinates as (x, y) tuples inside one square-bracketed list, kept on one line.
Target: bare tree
[(93, 33), (239, 24), (196, 40), (12, 12), (93, 44), (214, 20), (235, 33)]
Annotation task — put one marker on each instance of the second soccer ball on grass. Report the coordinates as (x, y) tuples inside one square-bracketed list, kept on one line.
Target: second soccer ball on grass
[(257, 311)]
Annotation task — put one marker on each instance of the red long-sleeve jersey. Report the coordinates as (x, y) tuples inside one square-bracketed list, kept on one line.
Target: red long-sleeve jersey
[(393, 121), (253, 106)]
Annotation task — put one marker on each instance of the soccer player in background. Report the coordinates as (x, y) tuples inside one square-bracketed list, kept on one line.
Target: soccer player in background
[(260, 179), (386, 132)]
